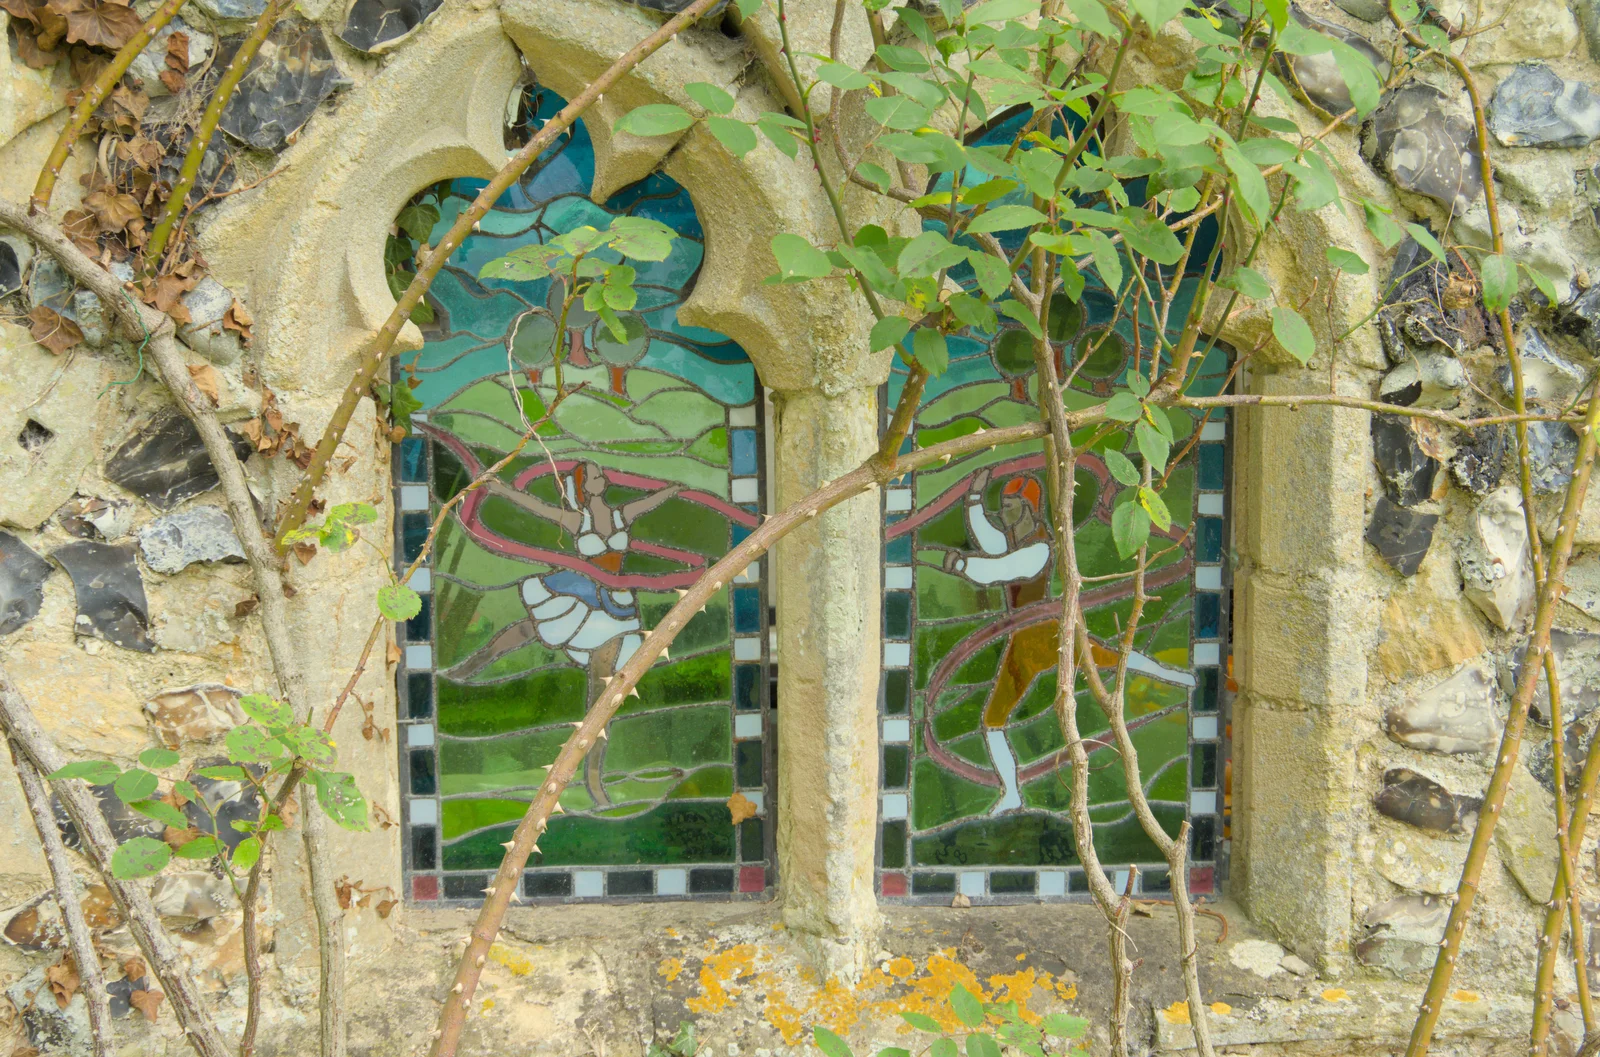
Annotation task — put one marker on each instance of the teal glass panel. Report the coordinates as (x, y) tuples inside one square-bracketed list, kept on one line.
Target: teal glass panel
[(974, 778), (542, 583)]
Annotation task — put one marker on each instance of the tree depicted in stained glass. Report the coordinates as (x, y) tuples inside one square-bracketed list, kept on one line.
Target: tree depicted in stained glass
[(975, 780), (644, 468)]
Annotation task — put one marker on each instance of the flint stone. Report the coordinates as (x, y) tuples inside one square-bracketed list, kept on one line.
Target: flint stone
[(173, 542), (91, 518), (151, 63), (1455, 717), (194, 714), (111, 600), (1317, 76), (1577, 657), (10, 269), (229, 801), (293, 73), (207, 303), (1424, 144), (376, 26), (1546, 374), (166, 463), (121, 992), (1401, 536), (190, 898), (1420, 801), (1536, 107), (1526, 836), (50, 1028), (1402, 936), (125, 823), (1496, 569), (1406, 470), (1479, 463), (232, 9), (1428, 379), (1365, 10), (1552, 452), (1583, 585), (1576, 737), (22, 577), (1419, 862)]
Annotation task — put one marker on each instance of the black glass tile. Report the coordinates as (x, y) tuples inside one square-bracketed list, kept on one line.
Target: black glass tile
[(547, 884), (709, 881), (740, 534), (630, 883), (420, 627), (896, 766), (411, 461), (747, 610), (1205, 693), (424, 848), (1203, 838), (1012, 883), (413, 534), (424, 780), (419, 695), (752, 840), (896, 691), (1203, 766), (898, 551), (747, 763), (894, 845), (1207, 539), (1155, 880), (465, 886), (1207, 614), (1077, 881), (933, 884), (1212, 466), (897, 614), (747, 685)]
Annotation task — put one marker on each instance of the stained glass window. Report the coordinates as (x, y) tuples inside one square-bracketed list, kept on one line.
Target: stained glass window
[(975, 784), (543, 583)]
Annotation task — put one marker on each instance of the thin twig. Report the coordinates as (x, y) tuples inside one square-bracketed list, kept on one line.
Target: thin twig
[(252, 910)]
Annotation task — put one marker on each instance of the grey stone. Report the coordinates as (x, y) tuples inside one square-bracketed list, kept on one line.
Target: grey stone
[(121, 992), (376, 26), (166, 463), (1583, 585), (125, 823), (232, 9), (22, 577), (1427, 379), (150, 63), (293, 73), (1552, 452), (190, 898), (1576, 737), (111, 600), (1425, 144), (1455, 717), (91, 518), (1496, 567), (1296, 965), (1526, 836), (229, 801), (1402, 935), (207, 303), (194, 713), (175, 541), (1317, 77), (1406, 470), (50, 1028), (1479, 462), (1418, 800), (10, 269), (1536, 107), (1577, 657), (1546, 374), (1582, 317), (1418, 861), (1401, 536)]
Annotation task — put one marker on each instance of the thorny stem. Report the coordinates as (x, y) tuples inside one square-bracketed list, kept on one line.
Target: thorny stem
[(238, 66), (383, 341), (93, 96), (102, 1035), (252, 910)]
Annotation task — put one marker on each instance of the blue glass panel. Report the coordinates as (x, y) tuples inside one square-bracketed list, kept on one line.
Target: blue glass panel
[(412, 463), (747, 686), (743, 443), (419, 695), (746, 610), (1208, 539), (1207, 614), (1212, 467)]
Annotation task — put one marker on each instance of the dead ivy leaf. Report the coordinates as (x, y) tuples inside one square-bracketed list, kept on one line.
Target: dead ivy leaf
[(385, 907), (27, 10), (393, 652), (86, 64), (343, 889), (238, 319), (53, 330), (113, 212), (246, 607), (305, 552), (741, 807), (98, 23), (83, 229), (134, 968), (177, 838), (172, 81), (164, 294), (147, 1002), (30, 51), (63, 981), (206, 380)]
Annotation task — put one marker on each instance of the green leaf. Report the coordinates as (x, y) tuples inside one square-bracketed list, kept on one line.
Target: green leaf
[(1001, 11), (1007, 218), (654, 119), (776, 126), (1250, 283), (1107, 259), (1072, 280), (246, 854), (134, 785), (982, 1046), (1543, 282), (641, 238), (1130, 528), (1293, 333), (222, 774), (1065, 1026), (876, 175), (266, 711), (830, 1044), (185, 790), (202, 847), (1022, 314), (339, 797), (994, 277), (1156, 508), (930, 349), (252, 745), (140, 857), (1382, 226), (1157, 13), (736, 136), (890, 330), (973, 312), (1093, 17), (841, 76), (797, 259), (1153, 446), (968, 1009), (988, 191), (908, 60), (708, 95), (95, 772), (417, 220), (1124, 407), (1253, 192), (1499, 274), (1121, 467), (1278, 12), (922, 1022), (944, 1048), (1426, 240), (1146, 233), (1359, 77), (161, 811), (1347, 262), (1139, 385), (310, 744), (402, 402), (893, 1051), (398, 602), (928, 254), (898, 112)]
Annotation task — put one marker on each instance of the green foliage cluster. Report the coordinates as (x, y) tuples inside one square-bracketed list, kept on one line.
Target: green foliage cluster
[(989, 1026)]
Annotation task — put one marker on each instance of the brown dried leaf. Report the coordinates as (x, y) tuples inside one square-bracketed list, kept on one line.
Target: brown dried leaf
[(172, 81), (113, 212), (289, 591), (305, 551), (134, 968), (384, 908), (98, 23), (147, 1002), (238, 319), (100, 909), (27, 10), (164, 294), (246, 607), (178, 51), (53, 330), (86, 63), (206, 380), (392, 654), (83, 229), (177, 838), (63, 981), (741, 807), (32, 53), (343, 889)]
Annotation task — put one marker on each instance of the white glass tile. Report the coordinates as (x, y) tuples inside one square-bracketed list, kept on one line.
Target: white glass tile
[(747, 725), (419, 735), (1214, 430), (419, 657), (588, 884), (422, 580), (1208, 577), (897, 578), (424, 812), (1203, 802), (896, 731), (972, 883), (1205, 728), (1207, 653), (1052, 883), (746, 489), (1209, 504), (742, 416), (747, 649), (672, 882), (897, 655), (756, 797), (749, 574), (1119, 881), (895, 806), (413, 497), (897, 500)]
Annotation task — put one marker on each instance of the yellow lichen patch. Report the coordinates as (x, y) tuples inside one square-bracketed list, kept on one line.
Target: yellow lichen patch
[(778, 1012), (500, 954), (488, 1004), (718, 974), (900, 968), (1017, 987), (930, 994), (672, 932), (1335, 994), (671, 968), (1066, 990), (1022, 957), (837, 1008), (1221, 1009), (1177, 1013), (1465, 996)]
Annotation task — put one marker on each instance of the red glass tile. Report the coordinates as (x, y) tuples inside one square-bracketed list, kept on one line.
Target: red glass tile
[(752, 878), (892, 884), (424, 888), (1202, 880)]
